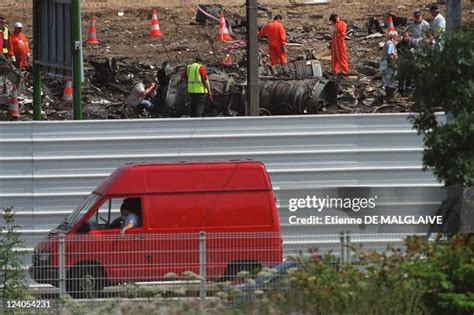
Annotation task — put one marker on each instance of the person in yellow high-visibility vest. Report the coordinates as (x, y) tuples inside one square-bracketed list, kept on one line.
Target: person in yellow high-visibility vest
[(3, 37), (198, 86)]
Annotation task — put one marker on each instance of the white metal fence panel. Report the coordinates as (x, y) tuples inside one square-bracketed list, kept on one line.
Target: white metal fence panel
[(106, 266), (46, 168)]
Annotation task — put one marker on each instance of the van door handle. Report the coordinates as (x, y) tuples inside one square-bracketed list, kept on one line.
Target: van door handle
[(139, 237)]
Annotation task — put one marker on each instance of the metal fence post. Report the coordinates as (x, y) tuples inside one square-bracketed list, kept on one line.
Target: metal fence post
[(202, 266), (348, 249), (343, 248), (62, 267)]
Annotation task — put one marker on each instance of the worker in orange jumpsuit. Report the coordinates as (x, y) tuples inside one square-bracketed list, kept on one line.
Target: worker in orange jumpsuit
[(338, 46), (276, 40), (18, 48)]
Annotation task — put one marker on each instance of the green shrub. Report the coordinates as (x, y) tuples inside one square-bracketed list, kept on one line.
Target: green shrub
[(12, 276), (428, 278), (446, 273)]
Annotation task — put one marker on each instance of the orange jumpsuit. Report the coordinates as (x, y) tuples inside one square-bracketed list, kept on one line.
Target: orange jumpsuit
[(276, 41), (18, 47), (338, 48)]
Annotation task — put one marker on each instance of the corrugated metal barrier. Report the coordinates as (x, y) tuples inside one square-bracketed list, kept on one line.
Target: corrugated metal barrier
[(46, 168)]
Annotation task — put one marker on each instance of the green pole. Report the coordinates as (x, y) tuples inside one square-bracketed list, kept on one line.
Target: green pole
[(76, 59), (36, 69)]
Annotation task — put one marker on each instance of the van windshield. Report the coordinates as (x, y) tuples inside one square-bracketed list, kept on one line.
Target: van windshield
[(80, 211)]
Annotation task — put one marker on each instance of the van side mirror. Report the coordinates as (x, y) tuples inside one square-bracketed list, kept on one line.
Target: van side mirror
[(85, 228)]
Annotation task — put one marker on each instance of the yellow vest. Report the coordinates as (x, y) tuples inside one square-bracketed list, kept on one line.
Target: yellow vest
[(5, 40), (195, 84)]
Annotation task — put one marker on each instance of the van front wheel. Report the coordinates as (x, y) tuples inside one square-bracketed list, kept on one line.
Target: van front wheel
[(85, 281)]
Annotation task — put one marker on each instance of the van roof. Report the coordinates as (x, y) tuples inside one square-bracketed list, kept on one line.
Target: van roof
[(176, 177), (147, 164)]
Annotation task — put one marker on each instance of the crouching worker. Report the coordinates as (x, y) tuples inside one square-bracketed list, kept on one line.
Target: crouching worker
[(141, 95)]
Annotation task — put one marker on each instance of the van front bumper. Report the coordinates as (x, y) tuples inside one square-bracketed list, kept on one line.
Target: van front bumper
[(44, 274)]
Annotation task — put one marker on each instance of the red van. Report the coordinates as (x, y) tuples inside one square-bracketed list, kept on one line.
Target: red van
[(232, 202)]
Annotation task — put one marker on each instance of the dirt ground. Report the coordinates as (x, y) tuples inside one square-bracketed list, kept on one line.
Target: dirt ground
[(126, 38)]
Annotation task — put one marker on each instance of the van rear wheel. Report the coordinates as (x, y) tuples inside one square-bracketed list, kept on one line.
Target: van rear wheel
[(85, 281)]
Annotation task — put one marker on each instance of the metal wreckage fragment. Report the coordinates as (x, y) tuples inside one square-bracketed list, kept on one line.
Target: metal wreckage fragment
[(9, 76), (289, 97), (293, 88)]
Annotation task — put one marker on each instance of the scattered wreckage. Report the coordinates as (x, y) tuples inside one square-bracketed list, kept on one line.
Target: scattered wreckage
[(298, 87), (9, 76), (295, 88), (209, 14)]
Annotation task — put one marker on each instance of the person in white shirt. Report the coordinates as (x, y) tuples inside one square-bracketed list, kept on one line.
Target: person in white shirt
[(139, 93), (388, 65), (418, 27), (438, 25)]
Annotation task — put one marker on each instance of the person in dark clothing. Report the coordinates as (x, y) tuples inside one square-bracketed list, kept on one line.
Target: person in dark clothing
[(405, 50), (198, 86)]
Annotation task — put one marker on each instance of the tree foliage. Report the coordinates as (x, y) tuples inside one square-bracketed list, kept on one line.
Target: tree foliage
[(12, 276), (444, 81)]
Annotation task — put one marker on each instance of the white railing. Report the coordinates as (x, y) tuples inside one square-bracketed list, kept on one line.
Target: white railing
[(46, 168)]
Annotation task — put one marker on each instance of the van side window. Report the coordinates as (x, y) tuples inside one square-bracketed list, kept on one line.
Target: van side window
[(113, 213), (130, 211)]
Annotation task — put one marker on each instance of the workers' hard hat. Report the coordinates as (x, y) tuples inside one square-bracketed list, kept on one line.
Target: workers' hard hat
[(18, 25)]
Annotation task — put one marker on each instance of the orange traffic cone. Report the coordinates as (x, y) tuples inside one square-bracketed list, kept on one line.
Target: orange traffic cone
[(13, 108), (390, 24), (67, 95), (92, 38), (223, 32), (154, 26)]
